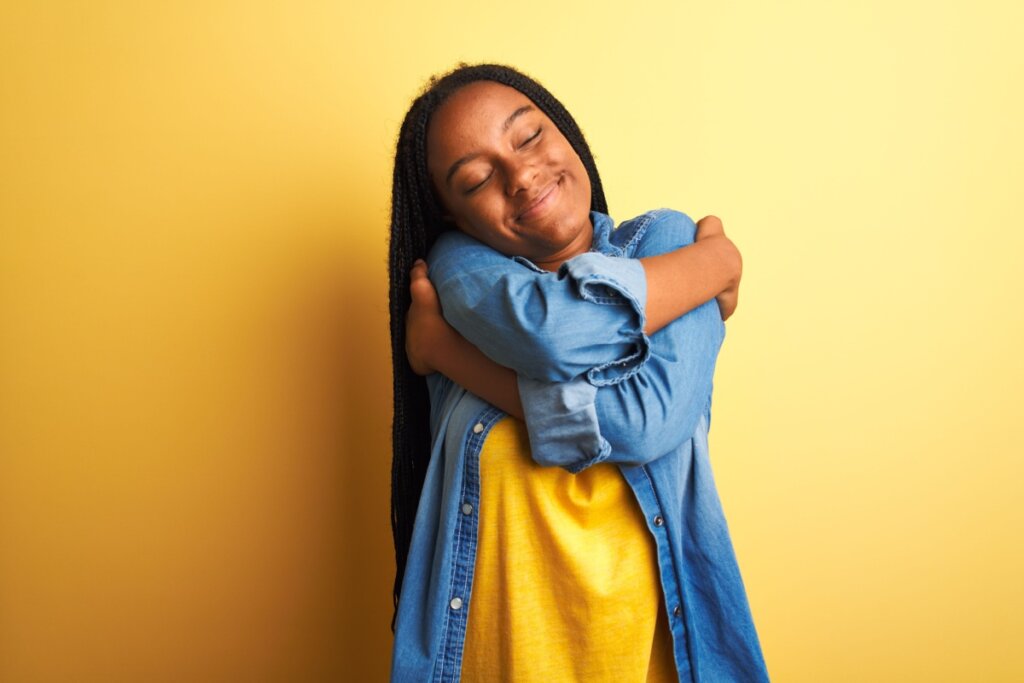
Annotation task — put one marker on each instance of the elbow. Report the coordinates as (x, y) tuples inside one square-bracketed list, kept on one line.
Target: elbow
[(651, 429), (643, 447), (638, 431)]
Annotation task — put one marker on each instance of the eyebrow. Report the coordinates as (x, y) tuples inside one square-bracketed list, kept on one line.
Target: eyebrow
[(504, 129)]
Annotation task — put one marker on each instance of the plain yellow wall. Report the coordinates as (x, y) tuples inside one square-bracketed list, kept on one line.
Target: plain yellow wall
[(194, 362)]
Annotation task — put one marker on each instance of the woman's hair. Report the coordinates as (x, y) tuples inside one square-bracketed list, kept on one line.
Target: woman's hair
[(416, 221)]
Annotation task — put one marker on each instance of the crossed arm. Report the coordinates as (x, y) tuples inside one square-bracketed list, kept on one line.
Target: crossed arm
[(678, 274)]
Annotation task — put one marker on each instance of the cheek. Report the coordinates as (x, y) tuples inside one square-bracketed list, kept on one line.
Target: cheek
[(486, 223), (582, 180)]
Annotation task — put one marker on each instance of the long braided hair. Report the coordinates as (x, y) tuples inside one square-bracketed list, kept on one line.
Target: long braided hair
[(416, 221)]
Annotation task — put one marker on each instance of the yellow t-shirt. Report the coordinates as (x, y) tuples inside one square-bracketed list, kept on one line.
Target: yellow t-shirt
[(566, 583)]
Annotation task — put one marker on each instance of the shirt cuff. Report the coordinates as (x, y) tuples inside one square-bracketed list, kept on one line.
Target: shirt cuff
[(561, 421), (613, 281)]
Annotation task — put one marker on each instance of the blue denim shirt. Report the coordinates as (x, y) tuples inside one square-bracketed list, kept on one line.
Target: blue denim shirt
[(594, 388)]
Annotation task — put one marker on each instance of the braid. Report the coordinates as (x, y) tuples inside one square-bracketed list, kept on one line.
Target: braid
[(416, 221)]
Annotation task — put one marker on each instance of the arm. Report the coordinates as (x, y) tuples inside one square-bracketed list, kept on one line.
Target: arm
[(516, 313), (682, 279), (636, 416), (433, 345), (642, 417)]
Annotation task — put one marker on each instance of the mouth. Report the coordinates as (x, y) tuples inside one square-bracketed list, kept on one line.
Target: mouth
[(541, 203)]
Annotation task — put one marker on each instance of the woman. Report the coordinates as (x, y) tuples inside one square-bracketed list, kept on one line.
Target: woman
[(587, 543)]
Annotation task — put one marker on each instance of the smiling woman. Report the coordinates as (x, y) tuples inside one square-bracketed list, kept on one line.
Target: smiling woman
[(513, 180), (554, 510)]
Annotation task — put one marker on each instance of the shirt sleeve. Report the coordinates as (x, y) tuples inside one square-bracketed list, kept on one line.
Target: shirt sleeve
[(585, 320), (593, 386), (577, 423)]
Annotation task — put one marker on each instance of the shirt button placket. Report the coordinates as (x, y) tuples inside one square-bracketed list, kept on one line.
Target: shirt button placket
[(677, 610)]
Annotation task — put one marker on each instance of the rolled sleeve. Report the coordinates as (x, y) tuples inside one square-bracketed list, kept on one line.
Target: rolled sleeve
[(648, 410), (562, 424), (614, 281), (587, 319), (593, 386)]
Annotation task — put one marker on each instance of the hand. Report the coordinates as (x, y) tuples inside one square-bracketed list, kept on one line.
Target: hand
[(425, 328), (711, 227)]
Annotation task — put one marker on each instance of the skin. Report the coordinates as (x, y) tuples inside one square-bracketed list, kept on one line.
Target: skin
[(508, 177), (505, 171)]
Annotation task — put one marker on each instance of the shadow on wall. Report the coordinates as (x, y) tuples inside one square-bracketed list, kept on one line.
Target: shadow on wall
[(337, 354)]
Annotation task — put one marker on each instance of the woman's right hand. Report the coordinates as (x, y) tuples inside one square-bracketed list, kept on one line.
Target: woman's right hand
[(711, 227), (425, 327)]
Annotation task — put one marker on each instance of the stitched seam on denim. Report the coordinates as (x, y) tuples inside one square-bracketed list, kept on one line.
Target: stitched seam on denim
[(474, 445), (675, 573), (602, 455), (451, 584), (644, 222), (591, 279), (643, 352), (643, 347), (488, 419)]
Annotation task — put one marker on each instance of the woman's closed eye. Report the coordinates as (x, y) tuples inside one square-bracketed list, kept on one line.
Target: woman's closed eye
[(479, 185), (532, 137), (524, 143)]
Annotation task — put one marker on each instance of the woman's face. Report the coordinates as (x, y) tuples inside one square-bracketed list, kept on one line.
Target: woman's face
[(507, 176)]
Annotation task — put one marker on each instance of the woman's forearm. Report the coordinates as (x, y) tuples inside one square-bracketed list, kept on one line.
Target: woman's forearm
[(466, 365), (432, 345), (679, 281)]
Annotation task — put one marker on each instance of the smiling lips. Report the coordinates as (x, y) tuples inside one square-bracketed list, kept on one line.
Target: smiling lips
[(539, 205)]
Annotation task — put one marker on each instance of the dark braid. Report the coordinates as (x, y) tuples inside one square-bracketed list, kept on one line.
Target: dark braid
[(416, 221)]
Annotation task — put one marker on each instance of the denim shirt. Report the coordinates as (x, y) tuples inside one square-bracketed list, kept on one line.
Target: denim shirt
[(594, 388)]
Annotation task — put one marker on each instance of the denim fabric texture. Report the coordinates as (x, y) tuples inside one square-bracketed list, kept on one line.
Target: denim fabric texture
[(595, 388)]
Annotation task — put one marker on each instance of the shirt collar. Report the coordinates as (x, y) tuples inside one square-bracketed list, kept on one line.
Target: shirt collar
[(603, 226)]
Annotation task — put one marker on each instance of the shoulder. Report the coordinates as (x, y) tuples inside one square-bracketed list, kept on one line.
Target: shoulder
[(455, 253), (655, 232), (458, 258), (450, 244)]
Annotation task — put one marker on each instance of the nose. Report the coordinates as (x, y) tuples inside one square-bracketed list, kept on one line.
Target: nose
[(521, 176)]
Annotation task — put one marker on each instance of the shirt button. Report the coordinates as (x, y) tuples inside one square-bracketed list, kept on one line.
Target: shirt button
[(467, 508), (478, 427), (456, 603), (658, 521), (677, 610)]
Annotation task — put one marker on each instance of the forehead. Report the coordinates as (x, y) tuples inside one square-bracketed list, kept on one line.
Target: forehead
[(472, 116)]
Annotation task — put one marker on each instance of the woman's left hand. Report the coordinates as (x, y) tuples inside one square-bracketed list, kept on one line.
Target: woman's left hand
[(711, 227)]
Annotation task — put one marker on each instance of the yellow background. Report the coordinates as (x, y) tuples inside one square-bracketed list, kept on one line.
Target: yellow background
[(194, 362)]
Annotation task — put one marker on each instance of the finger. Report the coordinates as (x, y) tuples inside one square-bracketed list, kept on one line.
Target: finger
[(712, 223), (420, 286), (419, 268)]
